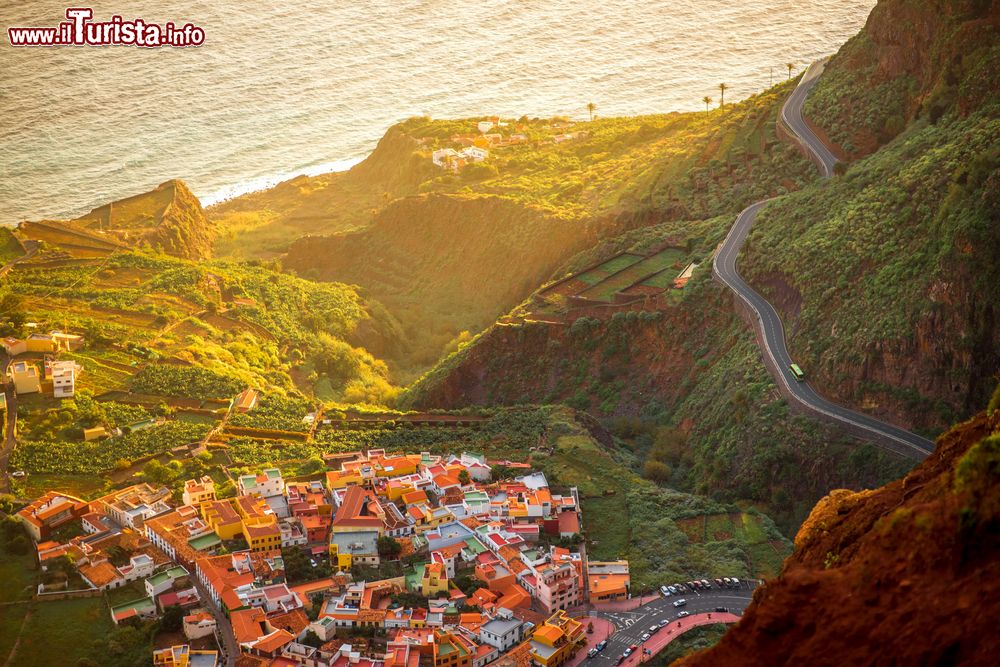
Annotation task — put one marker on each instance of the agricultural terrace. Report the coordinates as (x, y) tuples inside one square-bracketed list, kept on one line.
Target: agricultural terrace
[(622, 279), (247, 322)]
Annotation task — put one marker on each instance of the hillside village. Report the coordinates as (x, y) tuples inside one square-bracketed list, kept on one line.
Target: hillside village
[(425, 560)]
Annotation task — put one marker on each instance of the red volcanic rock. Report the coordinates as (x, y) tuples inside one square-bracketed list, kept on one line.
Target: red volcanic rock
[(908, 574)]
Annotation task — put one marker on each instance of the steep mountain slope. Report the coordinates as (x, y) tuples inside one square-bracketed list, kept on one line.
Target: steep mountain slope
[(442, 263), (438, 247), (914, 59), (692, 368), (903, 575), (886, 277)]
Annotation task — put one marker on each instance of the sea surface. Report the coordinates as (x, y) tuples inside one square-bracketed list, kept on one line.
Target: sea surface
[(284, 88)]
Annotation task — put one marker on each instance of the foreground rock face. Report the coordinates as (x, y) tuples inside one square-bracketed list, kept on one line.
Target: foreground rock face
[(908, 574)]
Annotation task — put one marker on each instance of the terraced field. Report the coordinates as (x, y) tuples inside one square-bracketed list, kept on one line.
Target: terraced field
[(635, 272), (69, 238)]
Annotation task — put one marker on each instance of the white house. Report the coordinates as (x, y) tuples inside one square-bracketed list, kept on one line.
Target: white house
[(503, 632), (475, 153), (444, 156), (199, 624), (265, 484), (63, 375)]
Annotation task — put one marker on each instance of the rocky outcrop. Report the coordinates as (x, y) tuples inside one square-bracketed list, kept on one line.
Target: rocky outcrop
[(907, 574), (169, 218), (183, 230)]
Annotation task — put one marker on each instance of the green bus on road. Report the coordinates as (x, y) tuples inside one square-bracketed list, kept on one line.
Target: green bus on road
[(797, 372)]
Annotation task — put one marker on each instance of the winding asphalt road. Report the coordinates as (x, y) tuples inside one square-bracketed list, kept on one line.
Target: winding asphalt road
[(772, 333)]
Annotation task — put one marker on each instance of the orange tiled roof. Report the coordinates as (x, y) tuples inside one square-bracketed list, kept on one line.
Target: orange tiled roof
[(548, 633), (99, 574), (353, 511), (294, 621), (273, 641), (247, 624)]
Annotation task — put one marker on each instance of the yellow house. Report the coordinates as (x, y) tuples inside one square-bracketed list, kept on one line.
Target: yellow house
[(260, 526), (556, 640), (25, 377), (434, 581), (41, 343), (180, 656), (95, 433), (395, 489), (341, 479), (220, 516), (343, 560), (359, 547), (396, 466), (263, 537), (198, 491)]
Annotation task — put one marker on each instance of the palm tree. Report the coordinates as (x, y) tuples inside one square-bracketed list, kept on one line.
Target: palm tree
[(707, 100), (790, 67), (722, 92), (591, 107)]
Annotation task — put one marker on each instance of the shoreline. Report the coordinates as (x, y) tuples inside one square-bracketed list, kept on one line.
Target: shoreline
[(221, 194), (261, 183)]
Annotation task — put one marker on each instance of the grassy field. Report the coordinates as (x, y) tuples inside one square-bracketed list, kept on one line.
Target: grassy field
[(18, 576), (602, 519), (11, 617), (60, 633), (81, 486)]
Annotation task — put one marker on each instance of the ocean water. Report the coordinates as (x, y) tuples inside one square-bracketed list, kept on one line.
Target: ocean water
[(280, 89)]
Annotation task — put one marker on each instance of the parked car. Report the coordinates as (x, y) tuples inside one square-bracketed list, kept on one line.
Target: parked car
[(682, 614), (628, 652), (728, 582), (602, 645), (18, 474), (645, 636), (673, 590), (665, 590), (620, 659), (680, 603), (718, 582), (706, 583), (722, 610), (736, 582), (664, 622), (592, 652), (654, 628)]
